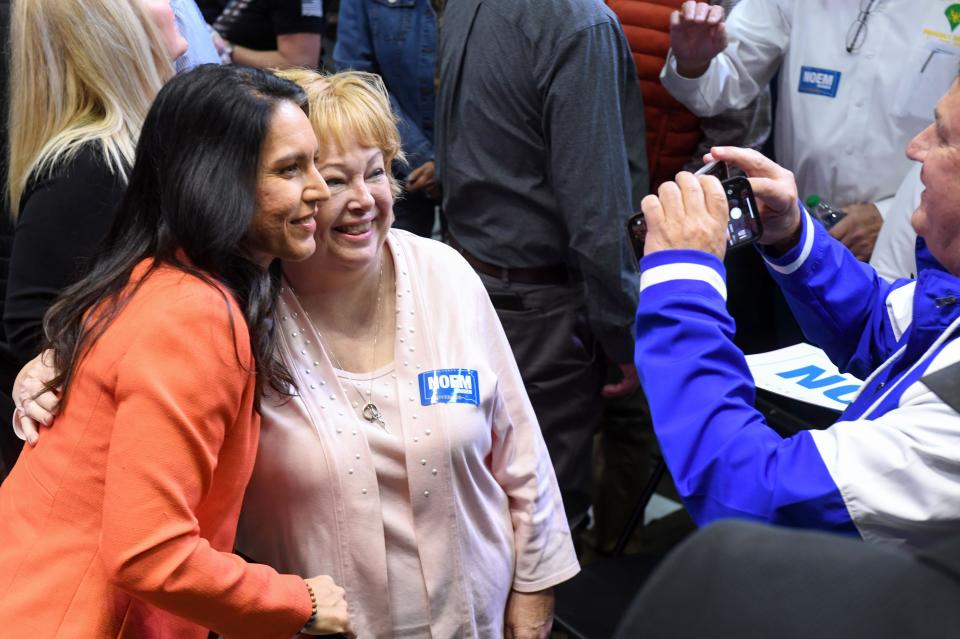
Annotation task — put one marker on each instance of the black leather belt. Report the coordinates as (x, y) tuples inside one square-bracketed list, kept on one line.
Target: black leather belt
[(553, 274)]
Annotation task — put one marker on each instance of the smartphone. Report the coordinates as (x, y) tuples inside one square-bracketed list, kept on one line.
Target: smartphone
[(743, 223)]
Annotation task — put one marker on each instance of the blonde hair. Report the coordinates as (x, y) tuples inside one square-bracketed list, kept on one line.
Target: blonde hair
[(80, 71), (354, 107)]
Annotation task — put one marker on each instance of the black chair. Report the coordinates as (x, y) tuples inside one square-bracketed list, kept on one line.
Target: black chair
[(590, 605)]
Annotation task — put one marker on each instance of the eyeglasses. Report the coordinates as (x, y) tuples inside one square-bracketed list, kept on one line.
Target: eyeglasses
[(858, 30)]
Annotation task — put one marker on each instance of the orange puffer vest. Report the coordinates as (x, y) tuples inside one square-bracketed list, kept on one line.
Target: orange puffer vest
[(673, 133)]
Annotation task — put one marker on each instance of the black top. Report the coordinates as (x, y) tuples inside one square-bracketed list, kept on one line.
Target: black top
[(540, 156), (211, 9), (255, 24), (62, 220), (6, 225)]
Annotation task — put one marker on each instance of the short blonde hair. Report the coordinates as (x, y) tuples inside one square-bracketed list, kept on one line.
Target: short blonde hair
[(80, 71), (351, 107)]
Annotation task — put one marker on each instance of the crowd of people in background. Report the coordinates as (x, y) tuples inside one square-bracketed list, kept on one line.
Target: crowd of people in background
[(322, 317)]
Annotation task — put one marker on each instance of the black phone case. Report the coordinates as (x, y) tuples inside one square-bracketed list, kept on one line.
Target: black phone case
[(743, 231)]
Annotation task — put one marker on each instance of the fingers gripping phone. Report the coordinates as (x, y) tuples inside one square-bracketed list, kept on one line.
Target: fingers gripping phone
[(743, 222)]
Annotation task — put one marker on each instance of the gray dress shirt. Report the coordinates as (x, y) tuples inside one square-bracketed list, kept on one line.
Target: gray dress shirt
[(531, 145)]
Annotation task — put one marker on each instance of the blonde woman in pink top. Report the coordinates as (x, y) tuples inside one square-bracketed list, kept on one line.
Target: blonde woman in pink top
[(411, 467)]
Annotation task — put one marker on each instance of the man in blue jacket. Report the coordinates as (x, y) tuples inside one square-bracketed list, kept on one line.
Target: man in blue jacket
[(889, 468)]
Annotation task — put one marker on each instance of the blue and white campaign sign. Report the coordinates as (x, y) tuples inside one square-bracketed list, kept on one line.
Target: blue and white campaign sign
[(805, 373), (449, 386)]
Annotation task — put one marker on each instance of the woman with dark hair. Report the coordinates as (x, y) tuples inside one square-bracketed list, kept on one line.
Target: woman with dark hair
[(120, 523)]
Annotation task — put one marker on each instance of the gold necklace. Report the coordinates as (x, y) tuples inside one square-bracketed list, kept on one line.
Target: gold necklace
[(370, 411)]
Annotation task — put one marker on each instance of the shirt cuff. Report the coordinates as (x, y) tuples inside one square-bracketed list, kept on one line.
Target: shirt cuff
[(682, 264), (674, 79), (794, 258), (549, 581)]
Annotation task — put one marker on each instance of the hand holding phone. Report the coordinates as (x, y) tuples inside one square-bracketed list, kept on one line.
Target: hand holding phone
[(775, 194), (743, 223)]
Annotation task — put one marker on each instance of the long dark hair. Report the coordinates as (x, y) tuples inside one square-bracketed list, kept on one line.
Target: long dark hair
[(189, 204)]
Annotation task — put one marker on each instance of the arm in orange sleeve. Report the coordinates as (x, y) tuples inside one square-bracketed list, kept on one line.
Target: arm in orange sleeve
[(180, 388)]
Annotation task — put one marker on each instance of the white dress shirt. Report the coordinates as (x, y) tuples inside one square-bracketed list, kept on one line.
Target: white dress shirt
[(843, 119), (895, 253)]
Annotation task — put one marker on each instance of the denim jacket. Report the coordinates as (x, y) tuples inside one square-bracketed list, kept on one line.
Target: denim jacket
[(396, 39)]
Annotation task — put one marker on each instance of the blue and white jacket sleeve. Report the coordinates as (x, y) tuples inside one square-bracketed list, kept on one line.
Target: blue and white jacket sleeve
[(725, 460), (841, 304)]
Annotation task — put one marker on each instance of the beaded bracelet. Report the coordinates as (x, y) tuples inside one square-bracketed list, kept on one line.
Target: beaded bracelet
[(313, 607)]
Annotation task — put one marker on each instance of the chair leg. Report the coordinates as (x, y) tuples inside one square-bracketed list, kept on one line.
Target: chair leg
[(636, 516)]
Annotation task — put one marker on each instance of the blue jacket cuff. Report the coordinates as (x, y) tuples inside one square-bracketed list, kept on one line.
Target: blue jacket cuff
[(683, 265), (796, 256), (681, 256)]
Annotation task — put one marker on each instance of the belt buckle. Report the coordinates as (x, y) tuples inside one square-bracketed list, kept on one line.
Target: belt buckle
[(504, 275)]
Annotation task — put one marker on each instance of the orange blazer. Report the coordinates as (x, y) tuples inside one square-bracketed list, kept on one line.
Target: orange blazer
[(120, 522)]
